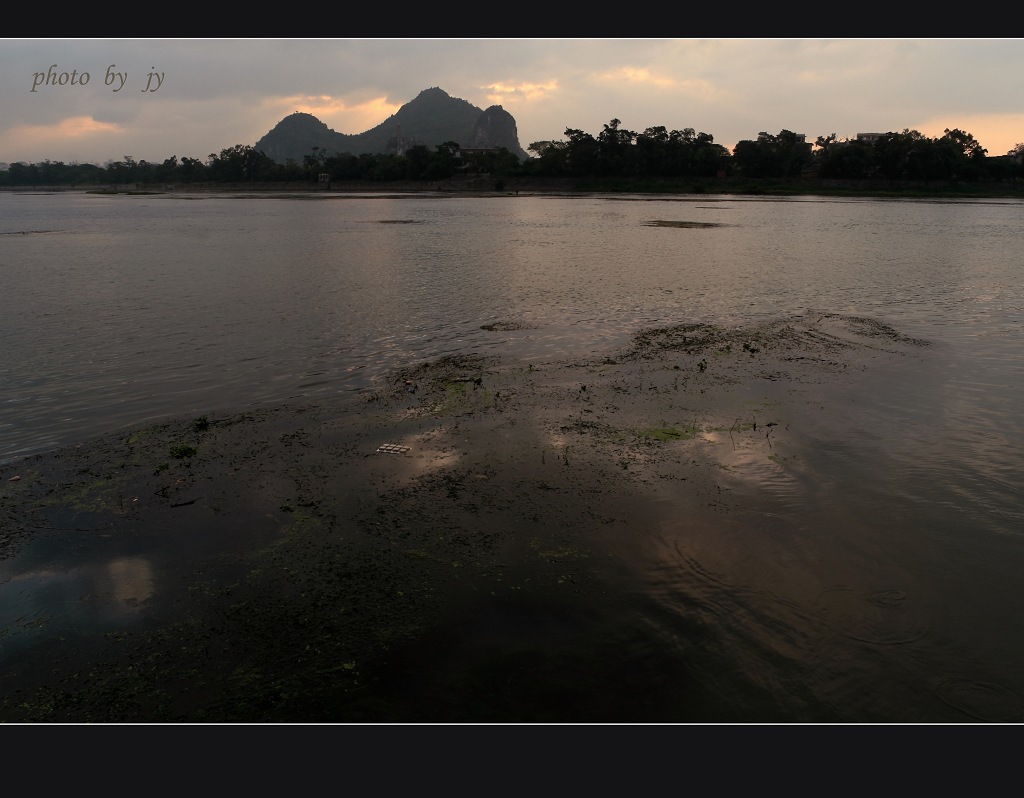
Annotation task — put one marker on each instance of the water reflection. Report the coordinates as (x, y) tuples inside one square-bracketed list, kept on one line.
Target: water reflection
[(222, 301), (50, 601), (859, 542)]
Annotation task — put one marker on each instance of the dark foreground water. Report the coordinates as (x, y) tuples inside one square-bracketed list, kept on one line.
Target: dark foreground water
[(876, 581)]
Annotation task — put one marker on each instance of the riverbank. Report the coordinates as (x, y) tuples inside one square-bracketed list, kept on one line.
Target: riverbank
[(494, 185), (453, 546)]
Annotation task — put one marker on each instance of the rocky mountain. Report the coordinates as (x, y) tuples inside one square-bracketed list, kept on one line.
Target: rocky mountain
[(433, 118)]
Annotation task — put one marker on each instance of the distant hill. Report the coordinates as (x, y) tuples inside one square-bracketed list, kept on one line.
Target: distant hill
[(433, 118)]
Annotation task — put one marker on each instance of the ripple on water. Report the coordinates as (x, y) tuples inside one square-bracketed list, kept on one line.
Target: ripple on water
[(982, 700), (883, 617)]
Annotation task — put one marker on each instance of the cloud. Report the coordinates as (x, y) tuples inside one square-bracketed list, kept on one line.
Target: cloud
[(520, 91), (335, 112), (76, 130), (218, 93), (631, 74)]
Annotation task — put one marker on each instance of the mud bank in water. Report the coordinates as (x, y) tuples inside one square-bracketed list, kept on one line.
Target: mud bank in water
[(455, 546)]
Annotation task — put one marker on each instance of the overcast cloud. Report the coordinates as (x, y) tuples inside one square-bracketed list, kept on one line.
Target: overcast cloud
[(218, 93)]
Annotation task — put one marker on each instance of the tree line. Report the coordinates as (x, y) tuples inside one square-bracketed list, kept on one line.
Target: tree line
[(613, 153), (657, 152)]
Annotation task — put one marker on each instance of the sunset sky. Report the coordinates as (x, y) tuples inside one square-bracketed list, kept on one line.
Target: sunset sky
[(154, 98)]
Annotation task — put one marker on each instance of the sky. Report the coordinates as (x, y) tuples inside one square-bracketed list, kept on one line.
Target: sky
[(100, 100)]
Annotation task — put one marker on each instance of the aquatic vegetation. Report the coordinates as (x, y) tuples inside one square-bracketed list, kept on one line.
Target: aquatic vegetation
[(670, 433), (138, 435), (504, 326), (685, 225)]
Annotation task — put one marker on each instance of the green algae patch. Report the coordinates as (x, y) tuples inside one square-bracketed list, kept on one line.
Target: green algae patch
[(669, 433), (562, 553)]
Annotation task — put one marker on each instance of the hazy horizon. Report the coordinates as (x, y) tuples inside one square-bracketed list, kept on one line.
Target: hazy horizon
[(156, 98)]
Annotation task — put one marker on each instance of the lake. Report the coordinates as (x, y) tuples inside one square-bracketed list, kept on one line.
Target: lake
[(906, 524)]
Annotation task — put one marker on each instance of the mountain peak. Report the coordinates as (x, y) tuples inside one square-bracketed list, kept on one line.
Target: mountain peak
[(432, 118)]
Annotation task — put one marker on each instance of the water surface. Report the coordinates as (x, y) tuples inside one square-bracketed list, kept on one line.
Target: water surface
[(873, 573)]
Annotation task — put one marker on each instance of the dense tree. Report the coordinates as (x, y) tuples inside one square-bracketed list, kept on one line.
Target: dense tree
[(191, 170), (824, 142), (966, 143), (500, 162), (846, 160), (24, 174), (444, 161), (892, 153), (581, 153), (1004, 168), (241, 163), (315, 163), (615, 152), (784, 155), (652, 152), (125, 171), (417, 159), (342, 166), (551, 158)]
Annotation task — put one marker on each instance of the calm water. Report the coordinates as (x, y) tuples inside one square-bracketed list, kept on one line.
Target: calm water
[(896, 550)]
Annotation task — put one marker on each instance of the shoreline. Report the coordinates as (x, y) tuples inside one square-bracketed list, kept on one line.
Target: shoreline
[(454, 546), (512, 186)]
